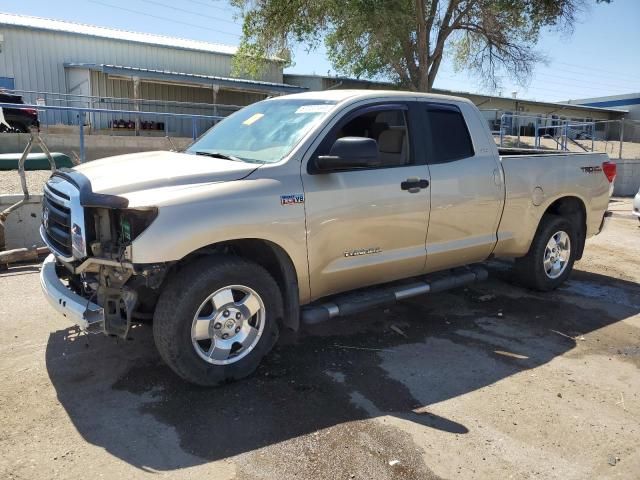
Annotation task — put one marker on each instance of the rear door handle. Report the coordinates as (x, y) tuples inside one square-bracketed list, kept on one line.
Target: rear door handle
[(414, 184)]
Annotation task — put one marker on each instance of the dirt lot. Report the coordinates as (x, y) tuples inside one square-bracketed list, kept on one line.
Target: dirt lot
[(10, 181), (491, 381)]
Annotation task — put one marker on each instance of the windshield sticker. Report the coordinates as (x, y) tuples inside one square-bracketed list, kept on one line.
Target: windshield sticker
[(253, 119), (292, 199), (314, 108)]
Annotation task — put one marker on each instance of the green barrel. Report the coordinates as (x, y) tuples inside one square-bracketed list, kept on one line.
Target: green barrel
[(35, 161)]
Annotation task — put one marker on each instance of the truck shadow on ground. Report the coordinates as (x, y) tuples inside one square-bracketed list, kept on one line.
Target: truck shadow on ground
[(121, 397)]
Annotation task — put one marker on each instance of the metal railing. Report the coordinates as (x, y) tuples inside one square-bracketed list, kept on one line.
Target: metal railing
[(90, 101), (589, 136), (99, 121), (509, 122), (198, 123)]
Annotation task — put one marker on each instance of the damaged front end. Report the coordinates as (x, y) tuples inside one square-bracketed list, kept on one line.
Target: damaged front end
[(89, 277), (124, 292)]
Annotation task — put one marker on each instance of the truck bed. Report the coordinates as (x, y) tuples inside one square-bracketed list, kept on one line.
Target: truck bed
[(512, 152)]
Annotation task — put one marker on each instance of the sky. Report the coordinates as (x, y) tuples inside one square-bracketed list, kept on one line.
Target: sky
[(601, 57)]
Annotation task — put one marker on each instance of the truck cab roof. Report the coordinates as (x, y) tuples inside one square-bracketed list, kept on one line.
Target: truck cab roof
[(361, 94)]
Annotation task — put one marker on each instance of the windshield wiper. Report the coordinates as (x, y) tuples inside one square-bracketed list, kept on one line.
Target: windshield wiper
[(224, 156)]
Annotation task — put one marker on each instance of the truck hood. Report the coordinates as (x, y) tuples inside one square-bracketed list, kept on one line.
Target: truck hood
[(136, 172)]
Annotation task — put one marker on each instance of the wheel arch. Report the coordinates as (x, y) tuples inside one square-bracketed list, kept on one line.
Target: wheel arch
[(573, 209), (273, 258)]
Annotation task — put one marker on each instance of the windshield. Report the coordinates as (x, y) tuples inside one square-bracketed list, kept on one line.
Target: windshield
[(263, 132)]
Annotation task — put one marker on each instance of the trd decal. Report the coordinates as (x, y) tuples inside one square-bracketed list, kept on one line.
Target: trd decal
[(591, 169), (292, 199)]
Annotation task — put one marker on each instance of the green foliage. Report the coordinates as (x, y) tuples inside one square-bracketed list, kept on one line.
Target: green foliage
[(402, 40)]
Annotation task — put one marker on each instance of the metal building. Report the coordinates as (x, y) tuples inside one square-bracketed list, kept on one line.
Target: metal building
[(629, 102), (491, 105), (51, 56)]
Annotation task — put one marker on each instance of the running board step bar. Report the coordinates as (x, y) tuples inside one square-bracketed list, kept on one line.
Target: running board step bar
[(366, 299)]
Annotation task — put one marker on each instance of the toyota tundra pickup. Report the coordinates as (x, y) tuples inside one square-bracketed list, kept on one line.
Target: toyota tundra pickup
[(305, 207)]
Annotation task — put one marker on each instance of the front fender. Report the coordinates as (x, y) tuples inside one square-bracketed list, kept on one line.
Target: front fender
[(243, 209)]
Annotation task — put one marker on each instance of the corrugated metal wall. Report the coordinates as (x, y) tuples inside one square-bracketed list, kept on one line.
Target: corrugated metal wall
[(35, 58), (530, 108), (103, 86)]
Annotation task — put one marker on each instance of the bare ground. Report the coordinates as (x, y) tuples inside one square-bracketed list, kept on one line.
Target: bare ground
[(491, 381), (10, 181)]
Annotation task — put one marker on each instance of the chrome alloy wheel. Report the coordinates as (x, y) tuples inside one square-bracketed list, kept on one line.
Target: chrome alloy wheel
[(228, 325), (556, 254)]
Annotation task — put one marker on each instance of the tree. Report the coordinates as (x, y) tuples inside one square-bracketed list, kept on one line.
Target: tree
[(403, 40)]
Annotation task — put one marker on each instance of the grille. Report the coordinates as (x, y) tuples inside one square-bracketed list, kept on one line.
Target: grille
[(56, 220)]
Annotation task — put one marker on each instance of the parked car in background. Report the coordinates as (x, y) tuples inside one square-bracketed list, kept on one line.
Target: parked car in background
[(16, 119), (636, 205)]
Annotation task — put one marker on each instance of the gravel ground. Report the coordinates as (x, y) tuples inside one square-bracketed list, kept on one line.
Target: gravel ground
[(10, 181), (490, 381)]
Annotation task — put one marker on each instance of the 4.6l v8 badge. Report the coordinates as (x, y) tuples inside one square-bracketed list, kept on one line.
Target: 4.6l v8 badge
[(292, 199)]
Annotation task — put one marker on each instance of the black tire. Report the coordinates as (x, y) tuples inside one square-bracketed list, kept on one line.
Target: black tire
[(180, 300), (529, 270)]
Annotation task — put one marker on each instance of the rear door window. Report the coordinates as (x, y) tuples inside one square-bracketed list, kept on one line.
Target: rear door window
[(449, 136)]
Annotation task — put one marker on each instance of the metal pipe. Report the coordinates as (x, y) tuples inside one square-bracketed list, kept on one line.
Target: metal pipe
[(621, 138), (47, 153), (64, 97), (103, 110), (81, 122), (23, 183)]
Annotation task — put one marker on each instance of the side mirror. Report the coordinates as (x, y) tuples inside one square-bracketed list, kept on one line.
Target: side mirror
[(349, 152)]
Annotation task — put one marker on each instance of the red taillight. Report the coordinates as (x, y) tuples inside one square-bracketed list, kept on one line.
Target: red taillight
[(609, 169), (31, 111)]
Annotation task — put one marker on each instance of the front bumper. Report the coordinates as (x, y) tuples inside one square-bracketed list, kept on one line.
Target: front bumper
[(79, 310)]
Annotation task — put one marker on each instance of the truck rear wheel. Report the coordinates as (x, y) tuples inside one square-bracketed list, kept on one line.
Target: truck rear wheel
[(550, 258), (216, 319)]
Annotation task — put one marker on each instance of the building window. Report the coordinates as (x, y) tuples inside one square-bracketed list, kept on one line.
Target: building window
[(7, 82)]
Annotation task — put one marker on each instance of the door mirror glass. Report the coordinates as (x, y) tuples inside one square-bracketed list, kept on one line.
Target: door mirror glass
[(348, 153)]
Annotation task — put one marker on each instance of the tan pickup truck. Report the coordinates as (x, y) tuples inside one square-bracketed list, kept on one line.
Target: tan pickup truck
[(303, 208)]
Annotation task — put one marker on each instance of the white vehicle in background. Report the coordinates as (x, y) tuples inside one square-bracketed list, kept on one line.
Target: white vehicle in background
[(636, 205)]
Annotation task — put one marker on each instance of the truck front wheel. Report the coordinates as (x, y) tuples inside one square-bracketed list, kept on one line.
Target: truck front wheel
[(550, 258), (216, 319)]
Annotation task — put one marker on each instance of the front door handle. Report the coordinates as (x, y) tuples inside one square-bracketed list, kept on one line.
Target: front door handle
[(414, 184)]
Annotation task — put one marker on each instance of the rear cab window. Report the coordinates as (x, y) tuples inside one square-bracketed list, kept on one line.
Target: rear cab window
[(449, 136)]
